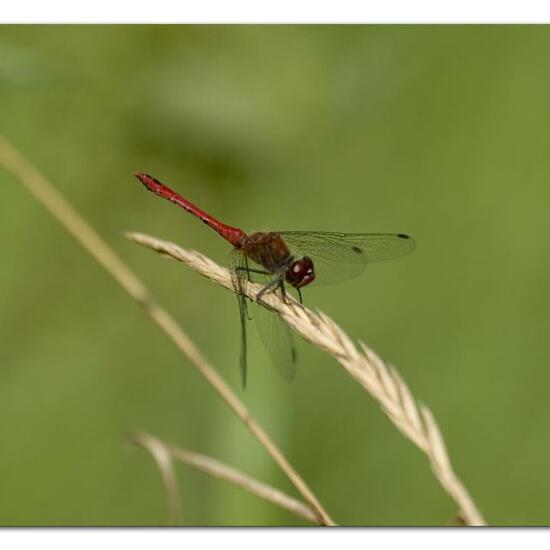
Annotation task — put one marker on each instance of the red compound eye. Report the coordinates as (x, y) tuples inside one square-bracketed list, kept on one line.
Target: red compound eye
[(301, 272)]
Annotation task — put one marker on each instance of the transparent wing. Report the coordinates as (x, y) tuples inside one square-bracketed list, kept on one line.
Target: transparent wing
[(277, 339), (340, 256), (237, 263), (275, 335)]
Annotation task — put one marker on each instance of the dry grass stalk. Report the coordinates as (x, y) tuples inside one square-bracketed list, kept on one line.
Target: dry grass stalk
[(163, 459), (47, 195), (382, 381), (217, 469)]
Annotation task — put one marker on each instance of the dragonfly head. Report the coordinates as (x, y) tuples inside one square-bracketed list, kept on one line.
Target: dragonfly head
[(300, 272)]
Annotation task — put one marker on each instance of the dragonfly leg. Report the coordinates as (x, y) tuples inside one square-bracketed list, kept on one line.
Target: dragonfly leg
[(248, 271), (284, 296), (268, 288), (283, 291)]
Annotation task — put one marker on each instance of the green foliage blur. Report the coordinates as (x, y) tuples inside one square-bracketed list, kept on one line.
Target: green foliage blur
[(436, 131)]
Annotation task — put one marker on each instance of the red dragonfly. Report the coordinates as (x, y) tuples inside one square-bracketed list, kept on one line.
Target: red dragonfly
[(298, 258)]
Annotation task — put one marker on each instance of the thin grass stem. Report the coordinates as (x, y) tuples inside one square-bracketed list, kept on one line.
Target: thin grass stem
[(46, 194), (219, 470)]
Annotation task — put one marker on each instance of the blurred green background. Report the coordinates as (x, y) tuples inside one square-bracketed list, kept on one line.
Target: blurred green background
[(440, 132)]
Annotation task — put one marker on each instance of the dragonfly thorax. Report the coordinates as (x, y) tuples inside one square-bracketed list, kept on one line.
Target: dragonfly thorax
[(268, 250)]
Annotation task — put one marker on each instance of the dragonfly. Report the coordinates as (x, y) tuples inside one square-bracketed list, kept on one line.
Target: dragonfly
[(279, 258)]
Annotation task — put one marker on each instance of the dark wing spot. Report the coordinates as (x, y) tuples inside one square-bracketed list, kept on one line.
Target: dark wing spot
[(357, 250), (403, 236)]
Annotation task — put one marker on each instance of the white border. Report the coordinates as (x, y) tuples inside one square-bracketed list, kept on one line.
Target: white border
[(280, 11), (276, 539)]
